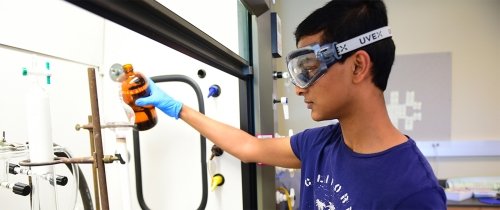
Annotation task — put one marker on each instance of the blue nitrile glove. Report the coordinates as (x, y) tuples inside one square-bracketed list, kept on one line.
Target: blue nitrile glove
[(160, 100)]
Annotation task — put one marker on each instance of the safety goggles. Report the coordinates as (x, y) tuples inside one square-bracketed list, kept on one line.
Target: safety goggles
[(306, 65)]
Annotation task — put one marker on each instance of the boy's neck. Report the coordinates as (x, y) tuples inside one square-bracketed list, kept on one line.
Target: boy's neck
[(368, 128)]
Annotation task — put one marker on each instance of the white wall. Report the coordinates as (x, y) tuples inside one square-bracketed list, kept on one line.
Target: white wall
[(72, 39), (468, 30), (52, 28)]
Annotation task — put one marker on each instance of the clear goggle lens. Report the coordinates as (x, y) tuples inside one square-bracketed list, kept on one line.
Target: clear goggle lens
[(305, 67)]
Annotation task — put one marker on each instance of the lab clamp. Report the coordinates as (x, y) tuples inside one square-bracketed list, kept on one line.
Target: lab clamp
[(38, 178), (40, 171), (98, 158), (8, 150)]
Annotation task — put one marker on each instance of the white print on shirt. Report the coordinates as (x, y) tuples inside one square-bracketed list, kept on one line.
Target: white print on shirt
[(326, 182), (321, 205)]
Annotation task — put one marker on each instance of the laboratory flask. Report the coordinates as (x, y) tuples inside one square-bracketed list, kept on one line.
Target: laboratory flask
[(134, 85)]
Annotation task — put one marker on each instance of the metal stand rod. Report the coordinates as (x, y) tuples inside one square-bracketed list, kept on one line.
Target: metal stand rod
[(99, 154), (94, 167)]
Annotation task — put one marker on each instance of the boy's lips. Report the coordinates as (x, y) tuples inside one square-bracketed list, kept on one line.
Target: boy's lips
[(308, 104)]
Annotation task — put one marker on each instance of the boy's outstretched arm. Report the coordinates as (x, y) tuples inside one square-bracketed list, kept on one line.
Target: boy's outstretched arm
[(247, 148)]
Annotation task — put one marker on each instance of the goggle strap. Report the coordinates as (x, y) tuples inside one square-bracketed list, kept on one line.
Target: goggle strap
[(363, 40)]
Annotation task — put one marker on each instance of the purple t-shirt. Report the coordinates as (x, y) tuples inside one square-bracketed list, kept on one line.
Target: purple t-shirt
[(335, 177)]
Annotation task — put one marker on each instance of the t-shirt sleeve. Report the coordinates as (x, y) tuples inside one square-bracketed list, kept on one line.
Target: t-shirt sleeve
[(304, 141), (428, 199), (295, 143)]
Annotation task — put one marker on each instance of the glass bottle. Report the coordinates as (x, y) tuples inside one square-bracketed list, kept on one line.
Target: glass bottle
[(134, 85)]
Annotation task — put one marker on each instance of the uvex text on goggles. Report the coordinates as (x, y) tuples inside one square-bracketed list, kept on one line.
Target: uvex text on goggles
[(307, 64)]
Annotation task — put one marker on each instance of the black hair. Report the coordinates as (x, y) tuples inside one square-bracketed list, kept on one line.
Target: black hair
[(340, 20)]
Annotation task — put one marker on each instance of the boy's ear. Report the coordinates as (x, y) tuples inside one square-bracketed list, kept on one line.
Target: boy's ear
[(362, 66)]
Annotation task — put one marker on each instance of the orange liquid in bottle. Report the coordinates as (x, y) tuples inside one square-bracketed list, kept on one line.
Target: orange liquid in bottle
[(133, 87)]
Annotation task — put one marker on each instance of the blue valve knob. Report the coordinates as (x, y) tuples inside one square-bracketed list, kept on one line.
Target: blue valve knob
[(214, 91)]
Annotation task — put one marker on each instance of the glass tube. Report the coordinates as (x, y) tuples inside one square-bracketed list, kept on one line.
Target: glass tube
[(43, 194)]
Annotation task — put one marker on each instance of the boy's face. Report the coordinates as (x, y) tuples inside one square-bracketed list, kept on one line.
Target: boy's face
[(328, 96)]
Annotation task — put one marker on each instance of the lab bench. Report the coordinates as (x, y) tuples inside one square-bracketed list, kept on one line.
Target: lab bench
[(471, 204)]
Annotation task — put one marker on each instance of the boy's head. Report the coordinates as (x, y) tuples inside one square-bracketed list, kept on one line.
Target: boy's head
[(340, 20)]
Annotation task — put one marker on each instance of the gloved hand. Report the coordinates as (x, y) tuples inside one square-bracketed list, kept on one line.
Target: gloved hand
[(160, 100)]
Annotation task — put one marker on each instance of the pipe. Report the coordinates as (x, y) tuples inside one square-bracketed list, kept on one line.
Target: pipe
[(84, 191), (137, 157), (138, 171)]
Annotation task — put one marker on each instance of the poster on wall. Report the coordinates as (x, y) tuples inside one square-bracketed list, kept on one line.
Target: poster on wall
[(418, 95)]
